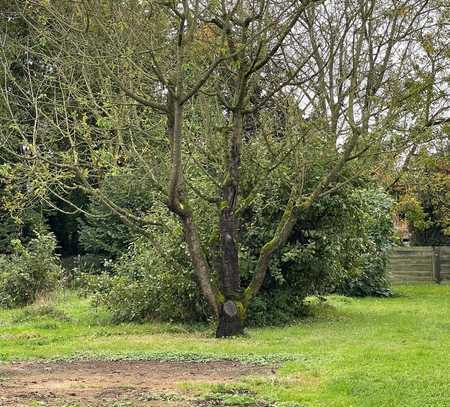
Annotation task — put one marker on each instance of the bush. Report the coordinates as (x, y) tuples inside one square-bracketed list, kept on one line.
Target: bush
[(369, 279), (277, 307), (30, 270), (340, 245), (31, 221), (151, 281)]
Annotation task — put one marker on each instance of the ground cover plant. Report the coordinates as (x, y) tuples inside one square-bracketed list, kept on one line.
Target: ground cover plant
[(349, 351)]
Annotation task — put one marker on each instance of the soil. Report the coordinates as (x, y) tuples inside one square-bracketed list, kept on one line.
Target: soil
[(114, 383)]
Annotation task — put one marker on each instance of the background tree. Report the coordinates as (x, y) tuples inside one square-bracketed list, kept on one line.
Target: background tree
[(423, 196)]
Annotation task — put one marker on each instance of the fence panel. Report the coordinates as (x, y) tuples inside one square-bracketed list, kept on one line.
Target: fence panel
[(419, 264), (444, 259)]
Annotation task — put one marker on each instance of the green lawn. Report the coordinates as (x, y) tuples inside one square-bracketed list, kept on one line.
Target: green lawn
[(353, 352)]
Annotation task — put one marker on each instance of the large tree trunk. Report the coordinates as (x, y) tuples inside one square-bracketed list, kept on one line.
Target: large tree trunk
[(230, 279), (231, 311), (231, 319)]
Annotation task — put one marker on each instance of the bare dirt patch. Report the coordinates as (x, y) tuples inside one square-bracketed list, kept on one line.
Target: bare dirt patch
[(112, 383)]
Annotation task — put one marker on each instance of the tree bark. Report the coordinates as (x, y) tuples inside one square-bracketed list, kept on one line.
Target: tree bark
[(178, 204), (230, 312), (200, 265), (280, 237), (231, 319), (230, 279)]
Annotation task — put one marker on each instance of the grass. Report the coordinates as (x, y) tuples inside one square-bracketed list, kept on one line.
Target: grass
[(353, 352)]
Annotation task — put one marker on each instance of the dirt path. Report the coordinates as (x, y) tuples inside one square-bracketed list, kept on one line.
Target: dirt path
[(117, 383)]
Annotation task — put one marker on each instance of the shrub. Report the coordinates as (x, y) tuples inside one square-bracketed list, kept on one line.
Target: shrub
[(277, 307), (340, 245), (31, 221), (28, 271), (40, 311), (369, 279), (153, 280)]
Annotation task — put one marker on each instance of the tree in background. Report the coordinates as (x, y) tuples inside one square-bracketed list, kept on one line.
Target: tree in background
[(13, 226), (424, 196), (207, 100)]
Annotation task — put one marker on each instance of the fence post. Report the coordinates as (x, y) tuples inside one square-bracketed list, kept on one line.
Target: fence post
[(437, 264)]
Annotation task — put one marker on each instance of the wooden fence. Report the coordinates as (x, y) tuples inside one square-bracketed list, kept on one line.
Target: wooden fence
[(419, 264)]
